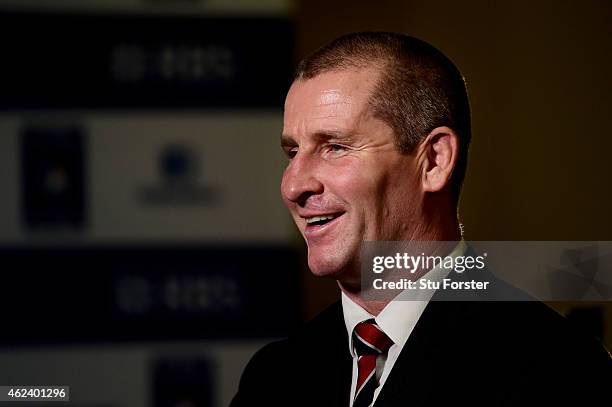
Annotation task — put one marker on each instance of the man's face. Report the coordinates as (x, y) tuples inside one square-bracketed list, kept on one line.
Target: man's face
[(345, 182)]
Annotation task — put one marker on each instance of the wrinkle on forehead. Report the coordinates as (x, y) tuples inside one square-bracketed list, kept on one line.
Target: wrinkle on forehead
[(326, 104), (340, 110), (334, 100), (333, 96), (333, 103)]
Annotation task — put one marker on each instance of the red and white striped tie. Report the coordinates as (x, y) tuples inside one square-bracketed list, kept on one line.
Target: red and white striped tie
[(370, 341)]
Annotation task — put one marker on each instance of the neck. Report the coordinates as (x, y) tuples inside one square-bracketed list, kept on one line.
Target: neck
[(438, 228)]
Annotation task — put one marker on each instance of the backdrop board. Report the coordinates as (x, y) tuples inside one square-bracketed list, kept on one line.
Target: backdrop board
[(141, 228)]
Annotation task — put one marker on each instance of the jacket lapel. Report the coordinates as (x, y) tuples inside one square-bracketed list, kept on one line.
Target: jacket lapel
[(413, 377)]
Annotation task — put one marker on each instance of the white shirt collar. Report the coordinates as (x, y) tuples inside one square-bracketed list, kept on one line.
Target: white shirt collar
[(399, 317)]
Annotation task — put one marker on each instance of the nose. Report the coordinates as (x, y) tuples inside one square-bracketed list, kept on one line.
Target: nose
[(300, 180)]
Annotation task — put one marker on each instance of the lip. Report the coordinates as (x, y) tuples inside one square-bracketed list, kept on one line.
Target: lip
[(312, 231)]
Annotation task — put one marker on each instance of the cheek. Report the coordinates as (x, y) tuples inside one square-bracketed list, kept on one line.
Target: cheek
[(401, 197), (360, 186)]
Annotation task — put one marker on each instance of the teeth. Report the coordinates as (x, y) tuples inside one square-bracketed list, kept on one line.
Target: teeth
[(318, 218)]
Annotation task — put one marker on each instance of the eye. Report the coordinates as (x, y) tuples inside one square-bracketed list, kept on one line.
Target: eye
[(336, 148), (291, 152)]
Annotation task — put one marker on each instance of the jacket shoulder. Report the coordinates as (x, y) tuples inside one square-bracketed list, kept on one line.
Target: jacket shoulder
[(289, 361)]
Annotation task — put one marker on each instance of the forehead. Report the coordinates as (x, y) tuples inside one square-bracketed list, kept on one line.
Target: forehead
[(331, 98)]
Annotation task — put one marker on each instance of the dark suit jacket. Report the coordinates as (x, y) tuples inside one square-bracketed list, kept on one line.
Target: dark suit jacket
[(460, 353)]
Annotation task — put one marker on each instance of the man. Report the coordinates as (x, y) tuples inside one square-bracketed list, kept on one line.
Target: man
[(377, 130)]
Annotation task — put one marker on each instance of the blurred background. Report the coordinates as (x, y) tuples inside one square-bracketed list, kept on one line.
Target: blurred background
[(144, 248)]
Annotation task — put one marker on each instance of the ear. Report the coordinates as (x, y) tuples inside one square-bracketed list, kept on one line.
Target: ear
[(439, 150)]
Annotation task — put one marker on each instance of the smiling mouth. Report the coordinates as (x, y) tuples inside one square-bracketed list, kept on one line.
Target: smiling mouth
[(317, 222)]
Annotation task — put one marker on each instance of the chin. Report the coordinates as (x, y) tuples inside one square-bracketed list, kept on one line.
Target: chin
[(324, 266), (337, 267)]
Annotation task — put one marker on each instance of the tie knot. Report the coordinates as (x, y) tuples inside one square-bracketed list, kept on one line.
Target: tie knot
[(370, 339)]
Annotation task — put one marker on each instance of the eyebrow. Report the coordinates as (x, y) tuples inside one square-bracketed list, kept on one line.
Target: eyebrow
[(288, 140)]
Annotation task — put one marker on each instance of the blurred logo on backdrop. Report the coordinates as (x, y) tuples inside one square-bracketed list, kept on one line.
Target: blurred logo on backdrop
[(179, 168), (53, 177)]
